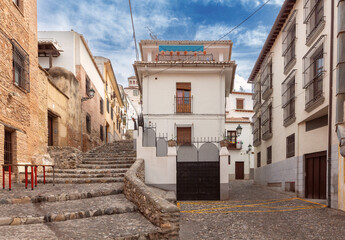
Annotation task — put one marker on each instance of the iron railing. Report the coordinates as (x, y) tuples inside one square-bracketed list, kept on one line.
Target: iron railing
[(183, 57), (183, 104), (314, 16), (314, 91)]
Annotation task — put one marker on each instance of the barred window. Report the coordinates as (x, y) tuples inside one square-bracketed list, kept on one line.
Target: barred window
[(288, 98), (88, 123), (239, 103), (290, 146), (266, 80), (101, 106), (289, 42), (269, 155), (258, 159), (112, 114), (257, 95), (266, 120), (314, 16), (256, 130), (108, 105), (21, 63), (87, 85), (313, 72)]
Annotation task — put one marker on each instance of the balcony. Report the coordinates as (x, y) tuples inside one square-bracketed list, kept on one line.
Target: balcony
[(183, 57), (183, 105), (315, 19)]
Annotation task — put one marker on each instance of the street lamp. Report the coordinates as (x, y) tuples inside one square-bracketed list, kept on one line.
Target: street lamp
[(90, 94), (249, 148), (239, 130)]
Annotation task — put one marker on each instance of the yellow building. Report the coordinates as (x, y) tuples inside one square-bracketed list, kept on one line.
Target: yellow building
[(113, 102)]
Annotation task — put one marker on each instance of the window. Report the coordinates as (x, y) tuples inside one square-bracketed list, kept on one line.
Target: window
[(256, 130), (314, 17), (258, 159), (19, 4), (269, 155), (101, 133), (290, 146), (112, 114), (184, 135), (108, 105), (239, 103), (87, 85), (313, 74), (101, 106), (266, 80), (135, 92), (257, 95), (266, 120), (288, 99), (232, 138), (183, 98), (289, 42), (88, 123), (21, 76)]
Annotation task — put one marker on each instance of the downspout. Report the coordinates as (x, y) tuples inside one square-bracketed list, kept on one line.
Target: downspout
[(329, 150)]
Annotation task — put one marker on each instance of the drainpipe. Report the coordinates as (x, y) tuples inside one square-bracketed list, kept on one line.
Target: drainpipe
[(329, 150), (340, 97)]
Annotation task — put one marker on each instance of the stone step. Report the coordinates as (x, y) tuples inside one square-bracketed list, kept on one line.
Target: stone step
[(81, 180), (78, 175), (120, 226), (96, 166), (35, 213), (107, 162), (90, 171)]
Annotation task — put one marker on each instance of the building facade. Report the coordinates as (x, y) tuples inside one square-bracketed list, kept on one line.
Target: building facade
[(133, 93), (294, 136), (76, 57), (23, 86), (239, 112)]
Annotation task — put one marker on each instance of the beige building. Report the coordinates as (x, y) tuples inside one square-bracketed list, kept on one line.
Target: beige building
[(113, 101), (296, 148)]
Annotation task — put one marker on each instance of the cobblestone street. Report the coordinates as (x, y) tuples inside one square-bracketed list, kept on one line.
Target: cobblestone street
[(256, 212)]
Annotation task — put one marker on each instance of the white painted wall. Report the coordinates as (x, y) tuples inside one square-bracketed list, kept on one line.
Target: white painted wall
[(131, 113)]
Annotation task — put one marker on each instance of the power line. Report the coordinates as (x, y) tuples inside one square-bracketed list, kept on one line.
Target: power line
[(134, 38), (214, 42)]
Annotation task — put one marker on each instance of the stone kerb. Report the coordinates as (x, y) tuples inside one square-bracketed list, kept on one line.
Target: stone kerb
[(65, 157), (157, 210)]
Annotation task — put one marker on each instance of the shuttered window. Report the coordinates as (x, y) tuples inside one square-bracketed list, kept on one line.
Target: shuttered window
[(239, 103), (184, 135)]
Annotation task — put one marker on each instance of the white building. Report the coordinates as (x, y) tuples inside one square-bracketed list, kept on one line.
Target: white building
[(294, 120), (239, 112), (184, 85), (131, 114), (133, 93)]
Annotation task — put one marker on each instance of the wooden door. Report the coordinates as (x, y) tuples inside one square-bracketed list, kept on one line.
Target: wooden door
[(8, 150), (50, 131), (184, 135), (239, 170), (315, 179)]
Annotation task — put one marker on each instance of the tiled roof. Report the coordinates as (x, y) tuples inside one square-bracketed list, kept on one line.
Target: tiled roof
[(241, 119), (242, 93), (184, 62)]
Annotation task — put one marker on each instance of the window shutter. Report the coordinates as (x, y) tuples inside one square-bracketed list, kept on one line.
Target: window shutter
[(183, 86)]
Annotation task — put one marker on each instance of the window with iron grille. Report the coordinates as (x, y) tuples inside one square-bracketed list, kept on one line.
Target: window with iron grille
[(101, 106), (21, 77), (257, 95), (313, 72), (87, 85), (256, 130), (314, 16), (88, 123), (101, 133), (290, 146), (269, 155), (239, 103), (108, 105), (266, 80), (288, 98), (266, 120), (289, 42), (258, 159), (112, 114)]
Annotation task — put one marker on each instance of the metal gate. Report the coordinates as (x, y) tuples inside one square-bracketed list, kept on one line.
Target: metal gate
[(198, 176)]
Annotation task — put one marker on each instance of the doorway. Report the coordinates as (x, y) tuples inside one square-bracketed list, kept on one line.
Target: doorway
[(239, 170), (50, 130), (315, 178), (8, 153)]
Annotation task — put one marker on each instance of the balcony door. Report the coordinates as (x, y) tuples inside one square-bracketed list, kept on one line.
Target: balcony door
[(183, 97)]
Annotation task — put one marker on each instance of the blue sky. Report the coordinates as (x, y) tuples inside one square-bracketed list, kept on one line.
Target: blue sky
[(106, 25)]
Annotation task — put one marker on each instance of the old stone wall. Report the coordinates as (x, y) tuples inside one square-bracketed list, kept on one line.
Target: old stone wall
[(65, 157), (159, 211)]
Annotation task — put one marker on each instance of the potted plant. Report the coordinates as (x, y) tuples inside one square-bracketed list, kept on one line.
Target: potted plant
[(185, 52), (204, 52), (225, 142), (171, 53), (178, 54), (239, 144), (172, 142), (163, 53)]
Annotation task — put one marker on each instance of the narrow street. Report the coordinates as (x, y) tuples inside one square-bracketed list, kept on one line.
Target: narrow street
[(256, 212)]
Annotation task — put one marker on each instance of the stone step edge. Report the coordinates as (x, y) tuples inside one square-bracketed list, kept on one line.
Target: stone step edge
[(81, 180), (65, 216), (61, 197)]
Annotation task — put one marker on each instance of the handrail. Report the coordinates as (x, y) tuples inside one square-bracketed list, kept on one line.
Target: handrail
[(33, 174)]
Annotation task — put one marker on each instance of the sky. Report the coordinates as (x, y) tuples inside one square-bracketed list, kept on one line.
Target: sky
[(106, 25)]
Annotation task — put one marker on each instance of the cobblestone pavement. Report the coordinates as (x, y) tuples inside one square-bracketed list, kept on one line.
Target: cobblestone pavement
[(256, 212)]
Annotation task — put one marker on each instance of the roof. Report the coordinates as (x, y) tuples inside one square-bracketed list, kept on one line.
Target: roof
[(242, 93), (185, 42), (272, 36), (236, 120), (184, 63)]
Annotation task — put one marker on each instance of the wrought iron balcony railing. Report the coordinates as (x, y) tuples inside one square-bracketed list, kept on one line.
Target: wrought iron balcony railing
[(183, 104), (187, 57)]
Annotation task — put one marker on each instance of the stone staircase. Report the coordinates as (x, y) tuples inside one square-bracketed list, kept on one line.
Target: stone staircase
[(105, 164), (88, 202)]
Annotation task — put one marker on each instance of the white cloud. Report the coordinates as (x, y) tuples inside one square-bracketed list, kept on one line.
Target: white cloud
[(242, 82), (253, 38)]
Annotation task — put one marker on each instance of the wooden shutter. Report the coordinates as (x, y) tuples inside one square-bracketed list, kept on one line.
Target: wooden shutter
[(239, 103), (184, 135)]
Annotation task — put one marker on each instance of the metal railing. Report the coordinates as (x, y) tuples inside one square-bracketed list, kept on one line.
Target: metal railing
[(183, 57), (183, 104), (33, 173)]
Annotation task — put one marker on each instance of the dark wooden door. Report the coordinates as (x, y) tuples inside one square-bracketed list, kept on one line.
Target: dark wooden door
[(50, 131), (239, 170), (315, 179), (184, 135), (8, 153)]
